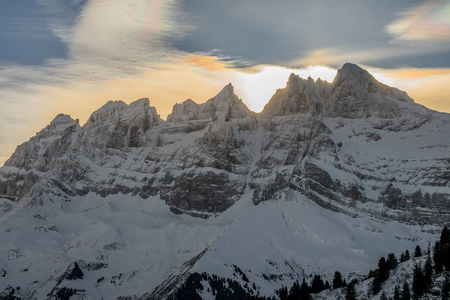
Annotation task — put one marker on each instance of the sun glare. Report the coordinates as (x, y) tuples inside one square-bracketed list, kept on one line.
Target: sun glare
[(257, 88)]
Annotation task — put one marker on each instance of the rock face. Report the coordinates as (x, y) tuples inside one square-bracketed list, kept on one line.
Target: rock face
[(223, 107), (353, 146), (356, 94), (117, 125), (307, 131), (299, 96)]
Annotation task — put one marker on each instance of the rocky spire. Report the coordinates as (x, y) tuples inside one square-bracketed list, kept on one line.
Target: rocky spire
[(116, 125), (49, 144), (224, 106)]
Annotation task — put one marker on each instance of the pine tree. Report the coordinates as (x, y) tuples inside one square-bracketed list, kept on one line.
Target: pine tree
[(391, 261), (381, 274), (337, 280), (383, 269), (317, 285), (283, 293), (304, 291), (397, 292), (445, 236), (428, 272), (417, 251), (419, 284), (376, 285), (383, 296), (350, 293), (407, 255), (445, 289), (445, 252), (294, 292), (406, 295), (437, 257), (445, 248)]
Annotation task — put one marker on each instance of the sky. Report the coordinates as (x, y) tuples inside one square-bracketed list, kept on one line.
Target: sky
[(73, 56)]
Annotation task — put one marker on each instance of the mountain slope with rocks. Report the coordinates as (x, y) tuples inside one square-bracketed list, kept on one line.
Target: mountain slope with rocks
[(130, 205)]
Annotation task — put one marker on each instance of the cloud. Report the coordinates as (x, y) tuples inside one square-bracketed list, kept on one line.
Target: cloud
[(124, 33), (429, 21)]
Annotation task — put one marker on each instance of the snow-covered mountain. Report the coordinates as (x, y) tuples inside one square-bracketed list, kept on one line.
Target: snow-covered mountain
[(330, 176)]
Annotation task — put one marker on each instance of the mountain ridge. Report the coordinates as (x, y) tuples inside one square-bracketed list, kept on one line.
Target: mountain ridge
[(132, 198)]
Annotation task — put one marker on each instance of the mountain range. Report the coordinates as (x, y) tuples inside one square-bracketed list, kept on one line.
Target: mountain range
[(328, 177)]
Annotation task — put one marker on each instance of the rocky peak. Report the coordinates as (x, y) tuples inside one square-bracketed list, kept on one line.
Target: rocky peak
[(357, 94), (354, 75), (225, 96), (186, 111), (225, 106), (117, 125), (299, 96), (48, 144), (227, 90), (350, 70), (62, 119)]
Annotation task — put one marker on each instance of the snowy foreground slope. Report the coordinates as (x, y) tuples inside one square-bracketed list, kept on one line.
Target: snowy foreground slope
[(329, 177)]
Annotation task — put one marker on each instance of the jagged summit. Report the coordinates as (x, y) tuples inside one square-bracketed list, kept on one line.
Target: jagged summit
[(50, 143), (224, 106), (228, 89), (354, 93), (185, 111), (62, 119), (299, 96), (117, 125), (349, 69), (354, 75)]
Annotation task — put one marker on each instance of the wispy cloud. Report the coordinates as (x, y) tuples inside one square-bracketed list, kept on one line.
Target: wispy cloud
[(104, 39), (126, 32), (429, 21)]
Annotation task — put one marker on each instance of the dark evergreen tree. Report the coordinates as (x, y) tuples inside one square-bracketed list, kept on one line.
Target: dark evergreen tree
[(383, 269), (317, 284), (337, 280), (407, 255), (376, 285), (397, 292), (283, 293), (294, 292), (406, 295), (350, 293), (445, 289), (402, 257), (445, 252), (419, 284), (445, 236), (417, 251), (428, 272), (437, 257), (304, 291), (383, 296), (381, 274), (391, 261), (62, 294)]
